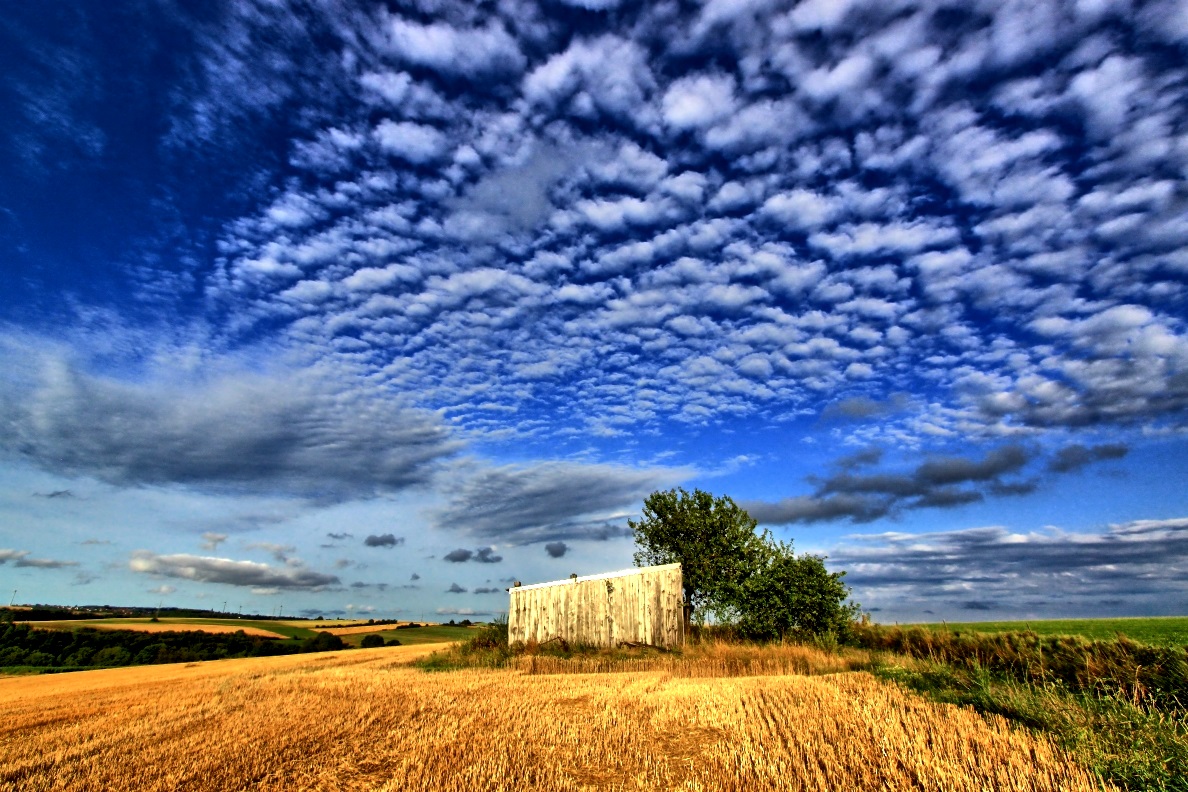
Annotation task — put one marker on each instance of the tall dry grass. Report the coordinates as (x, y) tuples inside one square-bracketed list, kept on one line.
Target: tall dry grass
[(1128, 670), (363, 720), (702, 660)]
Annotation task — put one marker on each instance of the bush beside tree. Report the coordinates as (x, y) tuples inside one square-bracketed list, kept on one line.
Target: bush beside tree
[(790, 595)]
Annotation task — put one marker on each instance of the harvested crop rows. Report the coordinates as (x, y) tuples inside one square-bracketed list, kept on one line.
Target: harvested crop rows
[(364, 720)]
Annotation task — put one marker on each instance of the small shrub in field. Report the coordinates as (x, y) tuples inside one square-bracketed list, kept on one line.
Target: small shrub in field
[(487, 648), (372, 641), (322, 642), (493, 636)]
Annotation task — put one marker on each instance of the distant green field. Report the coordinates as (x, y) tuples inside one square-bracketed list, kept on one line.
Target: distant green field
[(416, 635), (1160, 631)]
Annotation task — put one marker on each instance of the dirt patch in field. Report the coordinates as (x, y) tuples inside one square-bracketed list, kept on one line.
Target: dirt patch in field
[(152, 627)]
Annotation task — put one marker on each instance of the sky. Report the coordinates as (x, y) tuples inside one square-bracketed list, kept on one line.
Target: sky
[(364, 309)]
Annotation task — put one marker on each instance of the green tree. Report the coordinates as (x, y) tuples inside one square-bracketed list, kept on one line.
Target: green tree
[(713, 539), (12, 655), (80, 658), (151, 654), (740, 576), (322, 642), (372, 641), (790, 595), (43, 659), (112, 656)]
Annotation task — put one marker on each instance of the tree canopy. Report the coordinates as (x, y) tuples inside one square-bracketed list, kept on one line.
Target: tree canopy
[(790, 594), (739, 575), (713, 539)]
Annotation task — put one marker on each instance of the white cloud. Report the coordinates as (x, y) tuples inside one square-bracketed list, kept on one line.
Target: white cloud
[(735, 195), (470, 52), (594, 5), (211, 540), (803, 209), (698, 101), (865, 238), (21, 559), (846, 77), (1109, 93), (758, 125), (1166, 19), (207, 569), (820, 14), (416, 143), (607, 74)]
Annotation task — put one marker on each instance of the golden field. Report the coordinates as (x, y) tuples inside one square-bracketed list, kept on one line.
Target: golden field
[(363, 719)]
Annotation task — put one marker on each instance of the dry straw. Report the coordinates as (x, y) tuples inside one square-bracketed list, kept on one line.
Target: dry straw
[(363, 720)]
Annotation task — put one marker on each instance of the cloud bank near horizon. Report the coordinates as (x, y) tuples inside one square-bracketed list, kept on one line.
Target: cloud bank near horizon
[(1131, 565)]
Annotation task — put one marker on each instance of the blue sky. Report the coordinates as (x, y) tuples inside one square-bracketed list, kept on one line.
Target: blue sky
[(371, 309)]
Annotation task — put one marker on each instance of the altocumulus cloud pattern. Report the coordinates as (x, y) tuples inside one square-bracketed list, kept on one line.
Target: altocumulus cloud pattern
[(861, 263)]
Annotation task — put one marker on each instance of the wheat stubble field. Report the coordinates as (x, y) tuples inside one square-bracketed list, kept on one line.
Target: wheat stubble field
[(364, 719)]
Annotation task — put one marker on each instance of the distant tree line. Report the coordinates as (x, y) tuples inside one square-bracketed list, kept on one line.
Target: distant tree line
[(39, 613), (61, 613), (368, 623), (21, 645)]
